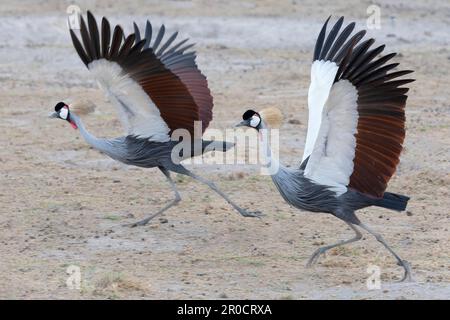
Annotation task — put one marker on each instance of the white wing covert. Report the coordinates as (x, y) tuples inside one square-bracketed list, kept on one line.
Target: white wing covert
[(357, 126)]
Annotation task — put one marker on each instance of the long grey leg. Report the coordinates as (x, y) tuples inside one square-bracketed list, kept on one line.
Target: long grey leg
[(210, 184), (318, 252), (169, 205), (402, 263)]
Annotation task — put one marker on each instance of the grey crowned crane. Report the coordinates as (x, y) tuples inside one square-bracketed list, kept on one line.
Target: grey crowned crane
[(157, 89), (356, 128)]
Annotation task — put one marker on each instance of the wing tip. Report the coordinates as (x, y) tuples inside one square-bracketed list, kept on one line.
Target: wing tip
[(89, 14)]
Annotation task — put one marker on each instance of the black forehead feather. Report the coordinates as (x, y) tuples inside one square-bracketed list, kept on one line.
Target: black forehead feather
[(59, 106), (248, 114)]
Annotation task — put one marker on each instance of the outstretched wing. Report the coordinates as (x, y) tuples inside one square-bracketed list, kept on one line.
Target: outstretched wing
[(327, 58), (362, 120), (156, 87)]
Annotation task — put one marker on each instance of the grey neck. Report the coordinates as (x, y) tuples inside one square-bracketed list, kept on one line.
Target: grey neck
[(103, 145), (271, 162)]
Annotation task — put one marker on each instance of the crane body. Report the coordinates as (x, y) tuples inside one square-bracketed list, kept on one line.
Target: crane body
[(356, 129), (157, 89)]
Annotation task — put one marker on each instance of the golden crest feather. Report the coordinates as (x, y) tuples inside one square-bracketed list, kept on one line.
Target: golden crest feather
[(272, 116), (82, 107)]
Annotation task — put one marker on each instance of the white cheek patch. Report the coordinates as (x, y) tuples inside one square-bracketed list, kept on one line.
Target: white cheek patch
[(254, 121), (64, 113)]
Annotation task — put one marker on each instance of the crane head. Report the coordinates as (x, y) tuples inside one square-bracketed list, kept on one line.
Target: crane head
[(267, 118), (250, 119), (62, 111)]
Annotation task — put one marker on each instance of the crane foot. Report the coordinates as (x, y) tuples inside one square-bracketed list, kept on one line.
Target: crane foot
[(407, 266), (315, 257), (251, 214)]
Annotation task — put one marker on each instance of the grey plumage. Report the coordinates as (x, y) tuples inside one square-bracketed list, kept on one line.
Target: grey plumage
[(157, 89), (302, 193), (141, 152), (305, 194)]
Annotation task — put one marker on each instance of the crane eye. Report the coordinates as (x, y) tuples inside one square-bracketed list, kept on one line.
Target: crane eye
[(63, 113), (255, 121)]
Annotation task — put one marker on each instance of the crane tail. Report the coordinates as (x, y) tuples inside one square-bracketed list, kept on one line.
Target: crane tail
[(393, 201), (217, 145)]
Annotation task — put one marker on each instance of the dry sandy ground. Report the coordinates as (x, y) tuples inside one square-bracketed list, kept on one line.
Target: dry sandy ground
[(64, 204)]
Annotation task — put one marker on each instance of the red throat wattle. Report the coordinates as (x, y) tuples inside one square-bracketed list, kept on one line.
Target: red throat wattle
[(73, 124)]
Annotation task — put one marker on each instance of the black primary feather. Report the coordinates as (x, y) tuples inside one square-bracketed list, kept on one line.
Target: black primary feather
[(106, 37), (340, 41), (319, 42), (158, 38), (86, 39), (183, 49), (381, 72), (79, 48), (169, 58), (365, 59), (167, 44), (331, 37), (137, 33), (345, 60), (126, 47), (116, 41), (377, 74), (148, 34), (372, 66), (358, 54), (343, 51), (175, 47), (136, 49), (368, 85), (95, 37)]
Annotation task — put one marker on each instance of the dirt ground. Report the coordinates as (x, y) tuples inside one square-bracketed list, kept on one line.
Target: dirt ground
[(63, 204)]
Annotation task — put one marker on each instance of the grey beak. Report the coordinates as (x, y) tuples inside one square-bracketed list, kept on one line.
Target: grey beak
[(53, 115), (243, 123)]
